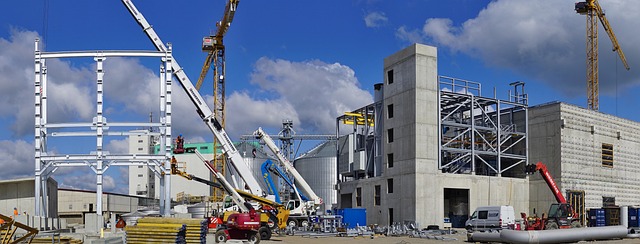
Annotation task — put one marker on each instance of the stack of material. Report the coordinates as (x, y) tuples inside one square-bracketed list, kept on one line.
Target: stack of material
[(167, 230), (57, 239)]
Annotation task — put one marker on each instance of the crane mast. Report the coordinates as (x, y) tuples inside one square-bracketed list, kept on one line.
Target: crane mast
[(207, 116), (593, 11), (215, 48)]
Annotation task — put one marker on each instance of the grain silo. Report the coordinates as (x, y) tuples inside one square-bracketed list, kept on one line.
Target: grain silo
[(254, 156), (318, 168)]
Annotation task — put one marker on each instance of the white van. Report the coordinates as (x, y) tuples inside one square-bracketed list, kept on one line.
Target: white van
[(491, 217)]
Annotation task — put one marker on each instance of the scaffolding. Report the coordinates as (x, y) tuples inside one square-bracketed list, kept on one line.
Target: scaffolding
[(99, 161), (481, 135)]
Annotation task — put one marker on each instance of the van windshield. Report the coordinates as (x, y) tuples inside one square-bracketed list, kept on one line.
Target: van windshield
[(474, 215)]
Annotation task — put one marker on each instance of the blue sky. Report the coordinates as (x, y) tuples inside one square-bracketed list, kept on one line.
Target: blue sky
[(308, 61)]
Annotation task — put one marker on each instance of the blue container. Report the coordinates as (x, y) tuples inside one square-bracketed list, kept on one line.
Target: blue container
[(597, 217), (633, 217), (352, 217)]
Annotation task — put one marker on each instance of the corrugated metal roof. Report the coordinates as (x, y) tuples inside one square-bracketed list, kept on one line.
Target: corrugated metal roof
[(325, 149)]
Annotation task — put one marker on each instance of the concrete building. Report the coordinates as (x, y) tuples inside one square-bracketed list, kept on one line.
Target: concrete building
[(19, 193), (74, 204), (588, 153), (433, 153), (142, 180)]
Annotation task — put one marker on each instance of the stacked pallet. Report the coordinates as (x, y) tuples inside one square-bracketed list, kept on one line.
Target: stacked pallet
[(167, 230)]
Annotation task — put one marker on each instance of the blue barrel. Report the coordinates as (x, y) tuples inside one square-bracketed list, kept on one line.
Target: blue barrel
[(633, 217)]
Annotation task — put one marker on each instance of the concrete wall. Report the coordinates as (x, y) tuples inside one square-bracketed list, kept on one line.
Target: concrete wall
[(573, 136), (419, 186), (74, 204), (195, 167), (20, 194)]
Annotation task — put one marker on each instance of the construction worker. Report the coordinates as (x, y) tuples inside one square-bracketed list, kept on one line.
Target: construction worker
[(15, 212)]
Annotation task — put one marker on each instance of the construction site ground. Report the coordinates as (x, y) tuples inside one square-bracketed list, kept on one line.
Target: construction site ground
[(460, 237)]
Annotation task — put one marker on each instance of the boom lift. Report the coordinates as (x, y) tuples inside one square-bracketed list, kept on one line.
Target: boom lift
[(300, 213), (269, 167), (561, 214), (238, 197), (208, 117)]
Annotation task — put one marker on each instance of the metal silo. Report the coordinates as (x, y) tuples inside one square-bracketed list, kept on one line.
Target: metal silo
[(318, 168), (254, 156)]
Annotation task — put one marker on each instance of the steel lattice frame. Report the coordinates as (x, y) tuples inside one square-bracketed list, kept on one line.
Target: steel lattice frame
[(46, 162), (219, 77), (480, 135)]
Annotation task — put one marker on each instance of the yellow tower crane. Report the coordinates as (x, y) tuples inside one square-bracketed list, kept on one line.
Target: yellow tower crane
[(215, 48), (593, 11)]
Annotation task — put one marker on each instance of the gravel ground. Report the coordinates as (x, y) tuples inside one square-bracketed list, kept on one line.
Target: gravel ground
[(460, 237)]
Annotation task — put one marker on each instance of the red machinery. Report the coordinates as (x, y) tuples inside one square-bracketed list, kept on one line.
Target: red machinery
[(240, 226), (561, 215)]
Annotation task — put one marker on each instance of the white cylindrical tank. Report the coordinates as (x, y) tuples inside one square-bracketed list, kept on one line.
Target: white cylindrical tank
[(254, 156), (197, 210), (624, 216), (318, 167)]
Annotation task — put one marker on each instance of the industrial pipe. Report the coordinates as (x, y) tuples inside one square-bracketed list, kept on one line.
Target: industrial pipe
[(493, 236), (563, 235)]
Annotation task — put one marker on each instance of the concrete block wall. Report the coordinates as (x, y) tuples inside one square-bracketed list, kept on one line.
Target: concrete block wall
[(573, 136)]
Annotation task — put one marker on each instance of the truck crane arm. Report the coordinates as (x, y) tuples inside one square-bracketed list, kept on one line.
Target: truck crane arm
[(201, 107), (284, 162), (542, 168)]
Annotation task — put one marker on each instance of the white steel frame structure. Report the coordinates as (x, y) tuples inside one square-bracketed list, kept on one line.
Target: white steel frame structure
[(46, 162), (481, 135)]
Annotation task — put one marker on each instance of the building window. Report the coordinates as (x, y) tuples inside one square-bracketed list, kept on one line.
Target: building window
[(376, 195), (390, 111), (139, 175), (390, 135), (140, 141), (390, 160), (359, 196), (70, 206), (390, 216), (390, 77), (607, 155), (140, 149), (390, 185), (608, 201), (139, 166)]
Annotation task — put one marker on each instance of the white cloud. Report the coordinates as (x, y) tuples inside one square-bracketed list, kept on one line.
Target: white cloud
[(118, 146), (88, 182), (17, 159), (311, 93), (543, 40), (375, 19)]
